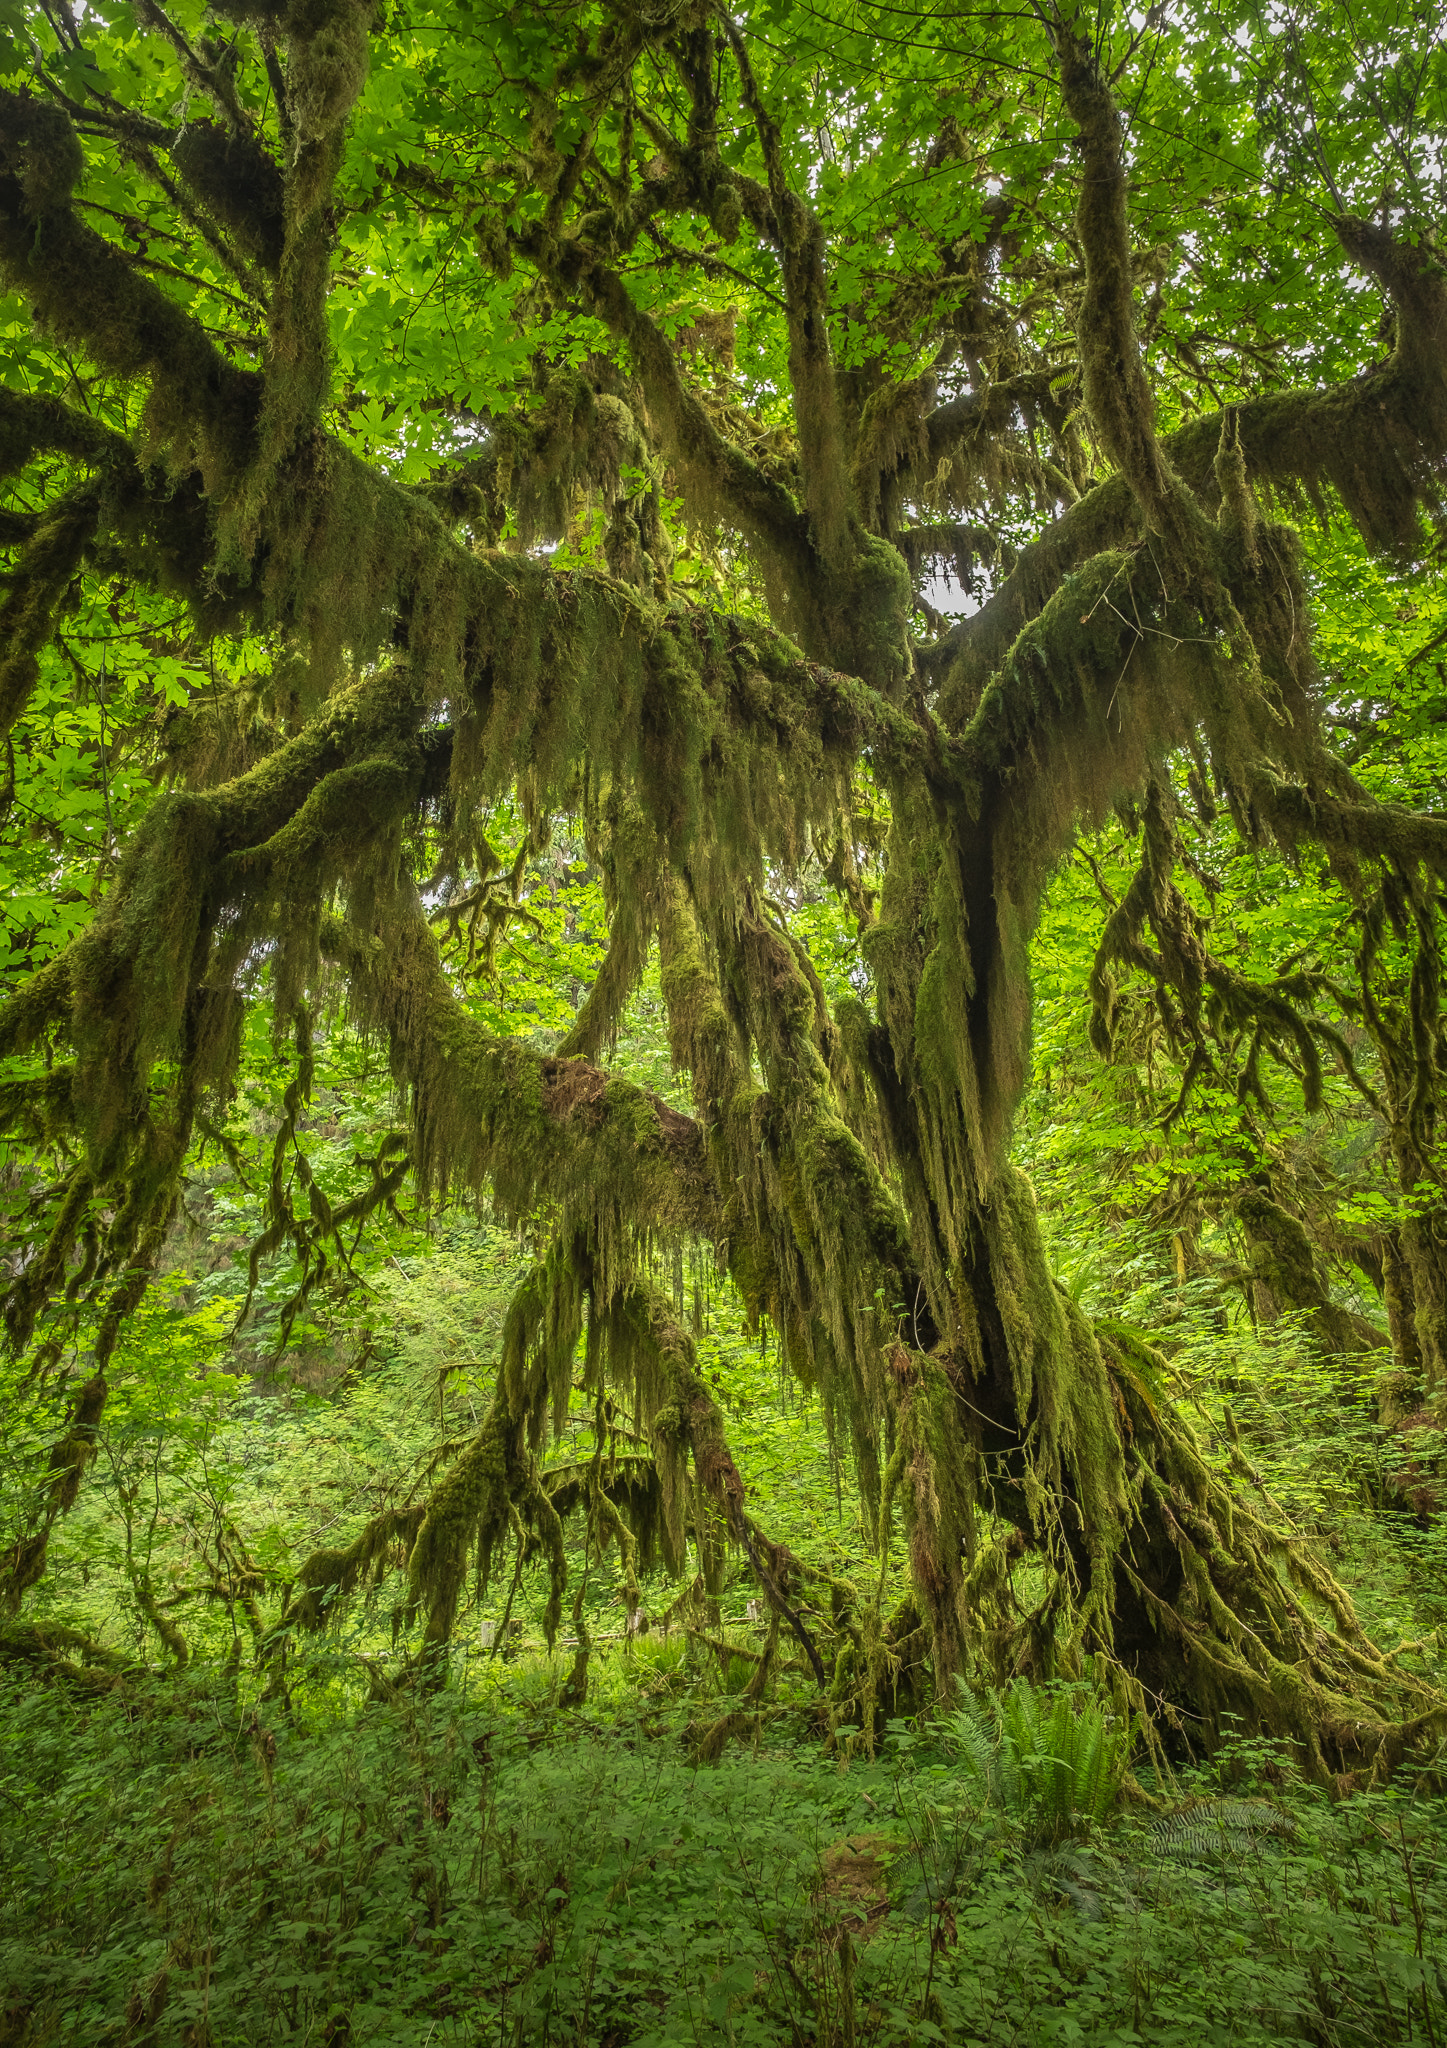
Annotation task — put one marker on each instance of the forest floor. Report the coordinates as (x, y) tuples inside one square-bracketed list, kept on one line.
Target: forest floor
[(183, 1864)]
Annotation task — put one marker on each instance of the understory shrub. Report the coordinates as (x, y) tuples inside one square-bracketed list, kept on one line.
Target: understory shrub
[(182, 1868)]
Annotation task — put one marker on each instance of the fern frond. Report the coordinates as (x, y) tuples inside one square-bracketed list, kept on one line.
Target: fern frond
[(1219, 1829), (1050, 1759)]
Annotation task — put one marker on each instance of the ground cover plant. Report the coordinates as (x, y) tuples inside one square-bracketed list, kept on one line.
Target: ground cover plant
[(724, 1266), (487, 1870)]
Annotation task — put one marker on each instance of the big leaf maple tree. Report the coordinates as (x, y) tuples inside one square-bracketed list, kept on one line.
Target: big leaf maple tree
[(727, 432)]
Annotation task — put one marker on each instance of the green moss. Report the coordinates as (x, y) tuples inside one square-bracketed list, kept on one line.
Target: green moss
[(38, 583), (857, 1178), (239, 183)]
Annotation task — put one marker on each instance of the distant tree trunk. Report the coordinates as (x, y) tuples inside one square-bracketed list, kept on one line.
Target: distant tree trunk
[(1403, 1391), (1286, 1277)]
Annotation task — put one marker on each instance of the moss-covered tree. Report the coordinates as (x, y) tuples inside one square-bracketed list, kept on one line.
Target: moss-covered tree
[(968, 340)]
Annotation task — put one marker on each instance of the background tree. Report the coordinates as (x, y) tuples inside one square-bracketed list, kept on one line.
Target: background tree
[(947, 330)]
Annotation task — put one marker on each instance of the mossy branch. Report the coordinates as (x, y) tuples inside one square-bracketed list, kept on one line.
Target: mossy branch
[(720, 480), (1374, 445), (493, 1113), (1117, 392), (85, 291)]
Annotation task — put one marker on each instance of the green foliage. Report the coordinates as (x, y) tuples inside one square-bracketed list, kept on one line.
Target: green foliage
[(174, 1861), (1052, 1761), (465, 628), (1219, 1829)]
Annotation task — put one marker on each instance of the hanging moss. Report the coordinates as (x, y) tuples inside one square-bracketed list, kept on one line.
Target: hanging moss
[(1373, 445), (328, 1576), (72, 1453), (685, 1484), (239, 182), (49, 561), (853, 1172), (492, 1112), (631, 858)]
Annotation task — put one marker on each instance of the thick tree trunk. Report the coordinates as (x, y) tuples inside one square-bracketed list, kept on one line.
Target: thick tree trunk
[(1014, 1409), (1193, 1602)]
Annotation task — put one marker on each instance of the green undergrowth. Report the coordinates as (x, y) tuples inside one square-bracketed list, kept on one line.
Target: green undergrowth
[(1054, 1764), (181, 1865)]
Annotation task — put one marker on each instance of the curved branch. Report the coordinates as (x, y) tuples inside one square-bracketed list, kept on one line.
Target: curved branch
[(495, 1112), (83, 290), (960, 420), (1338, 824), (1113, 376), (30, 422), (1375, 443), (717, 476)]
